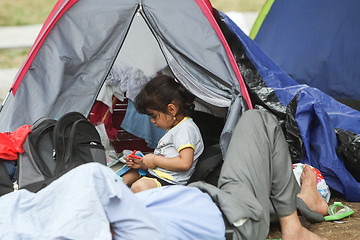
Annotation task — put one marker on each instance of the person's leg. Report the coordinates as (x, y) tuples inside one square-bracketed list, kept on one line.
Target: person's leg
[(258, 162), (184, 212), (130, 177), (129, 218), (291, 229), (249, 166)]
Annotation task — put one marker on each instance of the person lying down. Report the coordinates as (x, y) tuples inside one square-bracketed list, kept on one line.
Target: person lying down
[(82, 203)]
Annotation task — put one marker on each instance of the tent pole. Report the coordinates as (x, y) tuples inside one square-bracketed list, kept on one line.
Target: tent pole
[(3, 102)]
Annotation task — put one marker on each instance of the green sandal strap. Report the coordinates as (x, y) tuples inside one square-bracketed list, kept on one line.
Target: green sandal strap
[(335, 214)]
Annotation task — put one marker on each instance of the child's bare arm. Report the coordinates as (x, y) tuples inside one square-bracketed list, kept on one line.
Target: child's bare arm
[(181, 163)]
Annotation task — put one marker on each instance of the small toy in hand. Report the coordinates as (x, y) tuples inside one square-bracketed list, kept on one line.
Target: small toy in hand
[(124, 169), (136, 156)]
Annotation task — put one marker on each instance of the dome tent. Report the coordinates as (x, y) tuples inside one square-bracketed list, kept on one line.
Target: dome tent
[(81, 40)]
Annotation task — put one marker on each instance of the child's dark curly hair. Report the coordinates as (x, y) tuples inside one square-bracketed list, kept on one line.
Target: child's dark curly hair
[(162, 90)]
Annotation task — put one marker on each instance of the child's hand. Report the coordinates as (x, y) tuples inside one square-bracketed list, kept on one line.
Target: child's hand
[(133, 162), (149, 160)]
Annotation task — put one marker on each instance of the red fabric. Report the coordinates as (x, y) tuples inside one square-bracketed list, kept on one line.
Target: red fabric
[(11, 142), (208, 5), (100, 114)]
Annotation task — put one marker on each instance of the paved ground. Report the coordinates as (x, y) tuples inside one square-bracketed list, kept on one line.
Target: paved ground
[(6, 79), (20, 36), (24, 36), (15, 37)]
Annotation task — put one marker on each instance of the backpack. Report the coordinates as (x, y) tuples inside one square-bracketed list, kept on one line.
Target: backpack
[(52, 148), (6, 184)]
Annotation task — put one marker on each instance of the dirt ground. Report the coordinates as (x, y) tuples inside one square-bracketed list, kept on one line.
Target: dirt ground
[(346, 228)]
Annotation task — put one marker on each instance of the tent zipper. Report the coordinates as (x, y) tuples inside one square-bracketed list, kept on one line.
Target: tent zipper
[(138, 11)]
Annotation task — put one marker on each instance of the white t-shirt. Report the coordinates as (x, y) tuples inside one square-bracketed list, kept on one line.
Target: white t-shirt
[(185, 134)]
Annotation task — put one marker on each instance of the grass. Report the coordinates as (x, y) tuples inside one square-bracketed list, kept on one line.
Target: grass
[(25, 12), (18, 13), (13, 58), (238, 5)]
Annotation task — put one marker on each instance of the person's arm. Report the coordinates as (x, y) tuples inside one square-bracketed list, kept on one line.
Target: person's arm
[(181, 163)]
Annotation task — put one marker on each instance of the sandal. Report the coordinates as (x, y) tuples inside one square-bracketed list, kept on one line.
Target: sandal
[(335, 214), (310, 215)]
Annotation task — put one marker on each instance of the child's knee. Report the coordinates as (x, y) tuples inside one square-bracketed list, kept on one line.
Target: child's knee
[(137, 187), (142, 185)]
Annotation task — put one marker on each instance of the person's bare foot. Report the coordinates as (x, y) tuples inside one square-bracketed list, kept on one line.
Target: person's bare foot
[(309, 193), (291, 229)]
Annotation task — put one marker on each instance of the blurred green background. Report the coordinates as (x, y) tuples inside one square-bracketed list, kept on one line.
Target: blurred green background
[(24, 12)]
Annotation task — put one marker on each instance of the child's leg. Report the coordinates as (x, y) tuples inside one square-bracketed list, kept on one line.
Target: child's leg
[(130, 177), (145, 184)]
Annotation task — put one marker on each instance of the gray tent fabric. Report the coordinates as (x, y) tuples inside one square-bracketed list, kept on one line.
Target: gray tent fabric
[(75, 58), (72, 63), (141, 51), (235, 111)]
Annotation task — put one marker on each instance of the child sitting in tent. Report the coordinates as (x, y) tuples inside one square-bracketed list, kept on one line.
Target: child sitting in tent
[(169, 106)]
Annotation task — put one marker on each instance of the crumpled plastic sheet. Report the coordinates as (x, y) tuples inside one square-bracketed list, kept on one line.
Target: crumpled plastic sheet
[(349, 149)]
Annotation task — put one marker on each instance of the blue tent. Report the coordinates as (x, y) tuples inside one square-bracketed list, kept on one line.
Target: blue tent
[(320, 131), (316, 43)]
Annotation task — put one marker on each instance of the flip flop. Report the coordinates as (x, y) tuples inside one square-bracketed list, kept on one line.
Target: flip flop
[(336, 214), (309, 214)]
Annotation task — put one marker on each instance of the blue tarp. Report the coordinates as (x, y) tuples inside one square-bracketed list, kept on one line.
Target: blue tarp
[(317, 116), (316, 43)]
